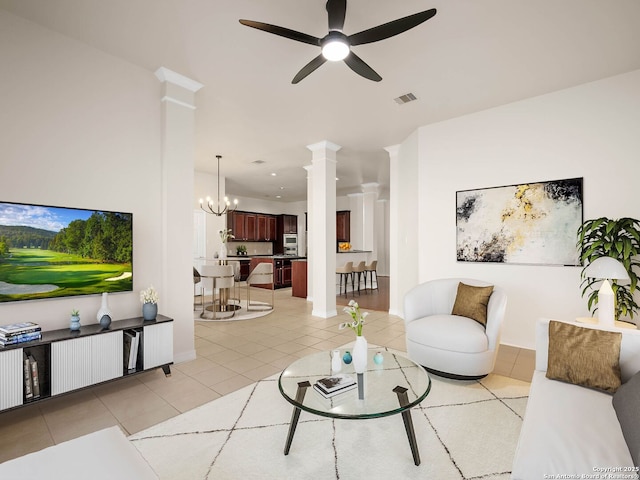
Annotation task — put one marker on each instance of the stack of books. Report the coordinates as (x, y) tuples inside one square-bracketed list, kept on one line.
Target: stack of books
[(31, 378), (19, 333), (330, 386)]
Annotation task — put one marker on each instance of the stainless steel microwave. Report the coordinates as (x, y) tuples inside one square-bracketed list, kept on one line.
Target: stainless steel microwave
[(290, 239)]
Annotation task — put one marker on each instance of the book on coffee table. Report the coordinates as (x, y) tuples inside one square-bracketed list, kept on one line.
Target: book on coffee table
[(330, 386)]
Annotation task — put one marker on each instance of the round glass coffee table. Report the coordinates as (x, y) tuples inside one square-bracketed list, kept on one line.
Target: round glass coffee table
[(395, 386)]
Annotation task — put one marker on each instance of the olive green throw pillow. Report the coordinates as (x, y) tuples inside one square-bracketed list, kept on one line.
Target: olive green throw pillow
[(472, 302), (584, 356)]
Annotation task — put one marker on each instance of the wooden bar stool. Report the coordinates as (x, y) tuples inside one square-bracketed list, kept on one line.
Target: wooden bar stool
[(344, 273)]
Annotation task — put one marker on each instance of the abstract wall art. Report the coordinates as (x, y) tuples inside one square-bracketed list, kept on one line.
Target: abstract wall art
[(530, 223)]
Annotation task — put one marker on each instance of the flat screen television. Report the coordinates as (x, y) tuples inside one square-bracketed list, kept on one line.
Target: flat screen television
[(49, 252)]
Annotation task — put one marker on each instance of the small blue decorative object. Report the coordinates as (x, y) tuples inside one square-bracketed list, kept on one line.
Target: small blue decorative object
[(378, 358), (346, 358)]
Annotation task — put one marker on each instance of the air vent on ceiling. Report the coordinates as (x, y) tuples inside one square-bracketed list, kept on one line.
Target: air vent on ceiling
[(409, 97), (258, 162)]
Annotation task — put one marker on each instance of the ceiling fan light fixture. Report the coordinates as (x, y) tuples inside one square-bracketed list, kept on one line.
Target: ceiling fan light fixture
[(335, 46)]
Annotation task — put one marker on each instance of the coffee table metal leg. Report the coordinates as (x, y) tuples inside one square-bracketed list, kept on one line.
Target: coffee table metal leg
[(302, 390), (408, 423)]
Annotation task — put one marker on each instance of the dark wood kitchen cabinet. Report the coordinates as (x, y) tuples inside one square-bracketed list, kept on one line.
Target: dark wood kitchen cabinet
[(252, 227), (290, 224), (266, 230), (343, 226), (272, 229), (236, 222)]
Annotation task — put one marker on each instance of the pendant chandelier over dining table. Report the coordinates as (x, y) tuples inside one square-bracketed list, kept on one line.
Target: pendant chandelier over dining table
[(220, 208)]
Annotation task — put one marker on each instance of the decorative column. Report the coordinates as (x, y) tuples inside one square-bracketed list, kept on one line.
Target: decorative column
[(403, 215), (309, 169), (322, 229), (370, 197), (178, 139)]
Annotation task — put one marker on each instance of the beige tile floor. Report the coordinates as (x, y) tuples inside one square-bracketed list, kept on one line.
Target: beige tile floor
[(230, 355)]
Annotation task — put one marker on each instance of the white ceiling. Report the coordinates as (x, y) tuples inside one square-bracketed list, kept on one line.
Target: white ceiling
[(471, 56)]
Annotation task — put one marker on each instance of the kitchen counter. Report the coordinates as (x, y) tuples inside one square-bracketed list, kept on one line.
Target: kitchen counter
[(275, 257)]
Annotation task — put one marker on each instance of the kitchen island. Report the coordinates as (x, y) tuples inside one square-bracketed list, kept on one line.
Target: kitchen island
[(281, 268)]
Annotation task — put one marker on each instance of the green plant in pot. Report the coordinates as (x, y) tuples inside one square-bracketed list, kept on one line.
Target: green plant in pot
[(619, 239)]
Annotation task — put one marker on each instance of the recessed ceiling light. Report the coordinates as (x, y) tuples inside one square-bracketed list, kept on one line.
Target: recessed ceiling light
[(258, 162), (273, 174), (337, 179), (278, 196), (281, 188)]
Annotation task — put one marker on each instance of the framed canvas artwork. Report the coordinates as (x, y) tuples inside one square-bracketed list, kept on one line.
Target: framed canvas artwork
[(530, 223)]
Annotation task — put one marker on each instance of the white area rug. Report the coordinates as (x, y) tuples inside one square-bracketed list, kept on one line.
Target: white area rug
[(242, 314), (465, 430)]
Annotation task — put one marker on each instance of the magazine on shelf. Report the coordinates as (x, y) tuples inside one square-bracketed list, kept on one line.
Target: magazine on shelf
[(34, 376), (131, 343), (330, 386), (20, 338), (15, 328), (28, 383)]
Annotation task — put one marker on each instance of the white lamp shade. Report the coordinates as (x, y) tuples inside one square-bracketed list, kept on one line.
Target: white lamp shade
[(606, 267)]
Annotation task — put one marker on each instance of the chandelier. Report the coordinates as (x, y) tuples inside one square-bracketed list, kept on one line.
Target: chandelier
[(209, 207)]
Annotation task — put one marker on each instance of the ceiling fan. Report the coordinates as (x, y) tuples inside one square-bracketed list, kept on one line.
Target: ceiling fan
[(336, 45)]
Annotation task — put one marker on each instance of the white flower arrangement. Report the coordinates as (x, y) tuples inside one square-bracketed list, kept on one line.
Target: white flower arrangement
[(225, 235), (358, 318), (149, 295)]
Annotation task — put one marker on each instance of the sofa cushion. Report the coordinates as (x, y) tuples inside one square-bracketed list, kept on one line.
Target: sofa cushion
[(471, 302), (625, 402), (449, 332), (584, 356)]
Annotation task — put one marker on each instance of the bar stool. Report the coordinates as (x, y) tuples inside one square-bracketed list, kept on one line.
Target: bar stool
[(359, 269), (344, 273), (371, 269)]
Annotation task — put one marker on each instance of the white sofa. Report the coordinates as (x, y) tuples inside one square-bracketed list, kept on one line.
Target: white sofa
[(103, 455), (569, 429)]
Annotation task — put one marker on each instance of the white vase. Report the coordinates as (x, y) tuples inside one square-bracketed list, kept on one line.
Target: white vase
[(336, 361), (359, 354), (223, 251), (104, 314)]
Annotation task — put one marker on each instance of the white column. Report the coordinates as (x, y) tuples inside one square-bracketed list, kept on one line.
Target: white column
[(178, 139), (369, 199), (395, 306), (404, 239), (357, 221), (322, 230), (309, 169)]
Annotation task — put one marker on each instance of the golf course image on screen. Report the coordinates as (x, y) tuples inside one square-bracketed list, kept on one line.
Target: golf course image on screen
[(48, 252)]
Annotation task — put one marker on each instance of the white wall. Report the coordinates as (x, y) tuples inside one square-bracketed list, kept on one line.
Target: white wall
[(590, 131), (80, 128)]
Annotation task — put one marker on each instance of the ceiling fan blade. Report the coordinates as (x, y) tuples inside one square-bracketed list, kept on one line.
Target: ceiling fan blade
[(390, 29), (309, 68), (337, 10), (358, 65), (283, 32)]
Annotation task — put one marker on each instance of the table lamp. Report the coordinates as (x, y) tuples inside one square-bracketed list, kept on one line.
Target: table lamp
[(606, 268)]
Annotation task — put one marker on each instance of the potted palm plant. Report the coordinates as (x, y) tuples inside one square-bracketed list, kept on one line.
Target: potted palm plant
[(619, 239)]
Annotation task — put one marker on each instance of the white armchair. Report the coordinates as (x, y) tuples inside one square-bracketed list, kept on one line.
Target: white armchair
[(446, 344)]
